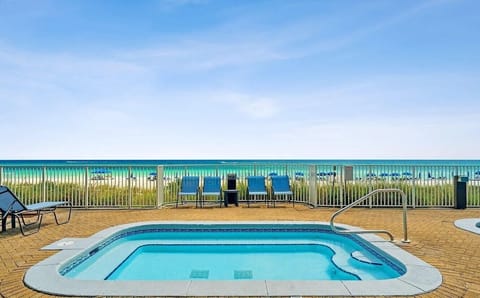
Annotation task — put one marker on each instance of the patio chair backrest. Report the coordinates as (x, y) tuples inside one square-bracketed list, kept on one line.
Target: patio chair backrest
[(10, 202), (212, 184), (190, 184), (280, 183), (256, 183)]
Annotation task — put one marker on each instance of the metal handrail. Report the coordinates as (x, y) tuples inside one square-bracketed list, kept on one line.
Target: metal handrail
[(386, 190)]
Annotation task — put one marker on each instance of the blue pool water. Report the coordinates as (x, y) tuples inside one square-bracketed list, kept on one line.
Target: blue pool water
[(224, 262), (233, 252)]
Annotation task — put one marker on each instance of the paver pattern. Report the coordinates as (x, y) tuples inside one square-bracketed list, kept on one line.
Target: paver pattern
[(434, 238)]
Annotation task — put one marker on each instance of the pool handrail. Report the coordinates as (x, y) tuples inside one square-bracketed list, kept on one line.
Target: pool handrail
[(370, 194)]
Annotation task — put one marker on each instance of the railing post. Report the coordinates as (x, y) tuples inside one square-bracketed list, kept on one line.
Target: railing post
[(129, 187), (44, 184), (1, 175), (85, 202), (342, 182), (160, 186), (414, 178), (405, 229), (370, 185), (312, 185)]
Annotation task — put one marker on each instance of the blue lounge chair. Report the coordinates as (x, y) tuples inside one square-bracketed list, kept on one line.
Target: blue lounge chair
[(212, 186), (281, 187), (11, 205), (255, 187), (189, 187)]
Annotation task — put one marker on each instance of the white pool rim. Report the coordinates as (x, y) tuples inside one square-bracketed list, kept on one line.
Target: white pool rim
[(419, 278), (469, 224)]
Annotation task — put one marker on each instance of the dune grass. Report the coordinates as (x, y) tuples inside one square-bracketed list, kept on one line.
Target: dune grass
[(328, 194)]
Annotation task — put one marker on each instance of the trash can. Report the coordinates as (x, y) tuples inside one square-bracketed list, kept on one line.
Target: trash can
[(231, 194), (460, 191)]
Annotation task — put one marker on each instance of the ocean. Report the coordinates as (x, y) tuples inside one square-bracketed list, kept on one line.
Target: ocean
[(362, 168)]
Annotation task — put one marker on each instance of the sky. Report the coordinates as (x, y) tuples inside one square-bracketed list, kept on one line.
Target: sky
[(229, 79)]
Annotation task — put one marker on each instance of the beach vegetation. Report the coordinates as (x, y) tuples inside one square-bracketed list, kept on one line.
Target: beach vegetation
[(328, 193)]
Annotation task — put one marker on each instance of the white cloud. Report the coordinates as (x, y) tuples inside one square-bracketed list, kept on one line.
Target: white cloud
[(256, 107)]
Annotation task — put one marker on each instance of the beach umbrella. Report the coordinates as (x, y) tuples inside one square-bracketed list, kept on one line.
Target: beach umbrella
[(152, 176), (101, 171), (299, 175)]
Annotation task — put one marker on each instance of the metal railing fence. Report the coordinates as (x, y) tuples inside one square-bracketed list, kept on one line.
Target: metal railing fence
[(318, 185)]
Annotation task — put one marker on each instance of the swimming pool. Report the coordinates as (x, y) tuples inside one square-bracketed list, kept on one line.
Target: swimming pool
[(224, 258), (469, 224)]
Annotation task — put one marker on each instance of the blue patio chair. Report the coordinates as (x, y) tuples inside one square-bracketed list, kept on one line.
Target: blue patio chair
[(189, 187), (10, 204), (281, 187), (255, 187), (212, 186)]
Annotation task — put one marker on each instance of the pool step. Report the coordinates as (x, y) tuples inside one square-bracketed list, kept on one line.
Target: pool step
[(199, 274), (242, 274)]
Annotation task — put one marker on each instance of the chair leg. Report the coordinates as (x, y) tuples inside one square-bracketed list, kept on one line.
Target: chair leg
[(22, 224), (22, 219), (68, 217)]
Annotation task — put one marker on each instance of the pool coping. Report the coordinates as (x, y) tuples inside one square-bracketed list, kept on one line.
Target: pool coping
[(468, 224), (420, 277)]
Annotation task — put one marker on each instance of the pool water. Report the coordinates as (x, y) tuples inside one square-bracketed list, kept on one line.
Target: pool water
[(226, 262), (219, 252)]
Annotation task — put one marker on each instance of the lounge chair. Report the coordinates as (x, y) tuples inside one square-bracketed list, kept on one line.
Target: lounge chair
[(11, 205), (281, 187), (212, 186), (256, 186), (189, 187)]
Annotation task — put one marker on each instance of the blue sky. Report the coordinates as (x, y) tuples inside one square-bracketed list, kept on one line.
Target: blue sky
[(187, 79)]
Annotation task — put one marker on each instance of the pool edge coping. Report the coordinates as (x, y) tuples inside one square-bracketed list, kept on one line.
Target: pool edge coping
[(420, 277), (468, 224)]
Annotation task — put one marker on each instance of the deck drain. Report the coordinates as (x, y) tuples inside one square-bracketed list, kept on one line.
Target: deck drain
[(242, 274), (200, 274)]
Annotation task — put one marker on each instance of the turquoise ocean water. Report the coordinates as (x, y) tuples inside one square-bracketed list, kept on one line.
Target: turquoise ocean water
[(175, 168)]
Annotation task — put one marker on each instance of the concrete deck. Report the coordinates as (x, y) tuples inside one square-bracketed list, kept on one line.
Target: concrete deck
[(434, 238)]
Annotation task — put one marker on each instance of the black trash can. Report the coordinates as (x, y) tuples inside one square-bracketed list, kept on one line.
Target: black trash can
[(460, 191), (231, 194)]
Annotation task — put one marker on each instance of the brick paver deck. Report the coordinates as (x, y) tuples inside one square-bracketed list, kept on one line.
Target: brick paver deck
[(434, 238)]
